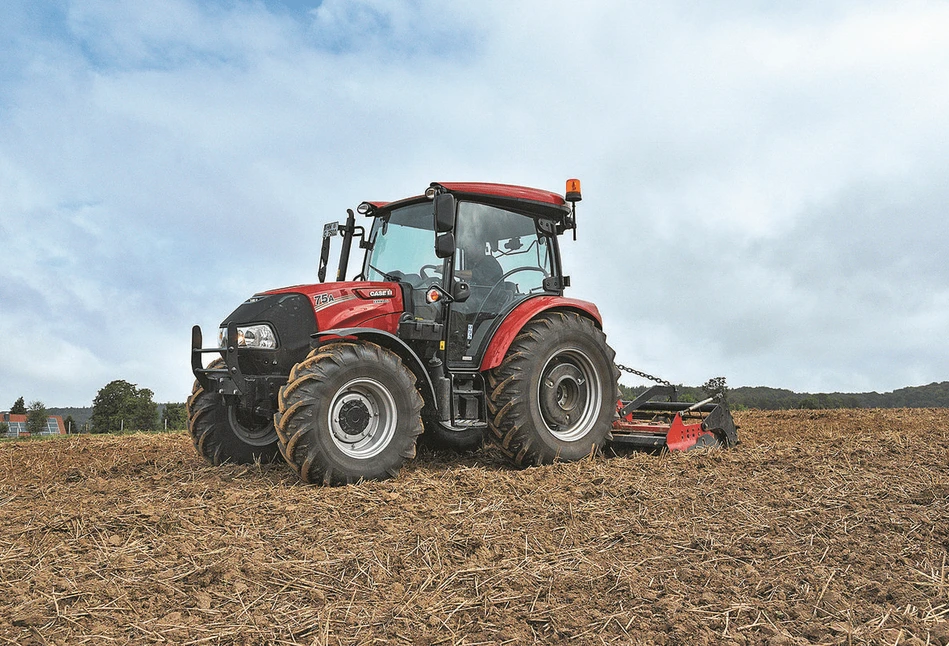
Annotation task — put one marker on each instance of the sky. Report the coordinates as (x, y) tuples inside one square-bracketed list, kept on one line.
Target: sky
[(764, 184)]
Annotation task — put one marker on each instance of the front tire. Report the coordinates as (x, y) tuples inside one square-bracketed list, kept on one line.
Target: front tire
[(225, 433), (553, 398), (349, 412)]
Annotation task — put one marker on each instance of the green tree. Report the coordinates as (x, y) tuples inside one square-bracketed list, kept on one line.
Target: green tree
[(70, 424), (36, 417), (121, 405), (175, 416), (4, 428), (715, 386), (19, 407)]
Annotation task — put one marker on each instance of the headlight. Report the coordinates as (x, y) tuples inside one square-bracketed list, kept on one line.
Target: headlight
[(251, 336)]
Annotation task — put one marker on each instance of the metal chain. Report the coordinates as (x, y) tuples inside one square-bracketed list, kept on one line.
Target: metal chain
[(644, 375)]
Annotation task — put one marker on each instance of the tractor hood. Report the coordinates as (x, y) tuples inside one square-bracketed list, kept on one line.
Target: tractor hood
[(350, 304), (275, 327)]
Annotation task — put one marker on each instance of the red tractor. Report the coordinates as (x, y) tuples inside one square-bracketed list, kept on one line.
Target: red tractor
[(455, 326)]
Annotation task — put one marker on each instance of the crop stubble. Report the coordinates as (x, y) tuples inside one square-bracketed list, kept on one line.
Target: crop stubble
[(821, 527)]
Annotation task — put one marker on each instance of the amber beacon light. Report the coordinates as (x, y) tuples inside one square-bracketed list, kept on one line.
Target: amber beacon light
[(573, 191)]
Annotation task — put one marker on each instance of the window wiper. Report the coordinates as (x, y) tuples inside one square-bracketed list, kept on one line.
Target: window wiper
[(385, 276)]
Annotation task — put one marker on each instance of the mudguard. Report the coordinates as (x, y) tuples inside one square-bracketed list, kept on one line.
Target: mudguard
[(386, 340), (511, 325)]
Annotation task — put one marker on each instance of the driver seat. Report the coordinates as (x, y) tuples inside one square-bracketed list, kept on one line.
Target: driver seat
[(486, 271)]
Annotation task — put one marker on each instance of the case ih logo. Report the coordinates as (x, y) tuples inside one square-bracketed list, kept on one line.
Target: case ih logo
[(383, 292)]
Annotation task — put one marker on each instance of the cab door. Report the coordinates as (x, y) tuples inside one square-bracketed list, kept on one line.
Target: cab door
[(504, 257)]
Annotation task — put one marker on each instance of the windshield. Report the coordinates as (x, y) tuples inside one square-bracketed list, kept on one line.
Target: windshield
[(403, 246)]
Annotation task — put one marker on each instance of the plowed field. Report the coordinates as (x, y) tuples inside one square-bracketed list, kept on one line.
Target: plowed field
[(821, 527)]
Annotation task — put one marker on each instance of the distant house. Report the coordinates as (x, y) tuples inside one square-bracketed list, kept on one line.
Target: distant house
[(17, 425)]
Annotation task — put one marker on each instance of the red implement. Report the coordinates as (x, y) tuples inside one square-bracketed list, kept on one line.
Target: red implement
[(648, 423)]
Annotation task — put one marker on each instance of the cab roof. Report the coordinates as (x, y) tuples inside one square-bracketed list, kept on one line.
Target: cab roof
[(523, 199), (504, 191)]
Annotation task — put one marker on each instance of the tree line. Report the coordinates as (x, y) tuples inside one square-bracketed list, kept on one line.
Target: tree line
[(934, 395), (122, 406), (118, 406)]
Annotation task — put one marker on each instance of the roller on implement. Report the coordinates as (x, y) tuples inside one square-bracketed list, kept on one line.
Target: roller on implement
[(454, 330)]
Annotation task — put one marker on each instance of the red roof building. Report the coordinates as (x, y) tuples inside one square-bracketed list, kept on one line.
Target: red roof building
[(17, 425)]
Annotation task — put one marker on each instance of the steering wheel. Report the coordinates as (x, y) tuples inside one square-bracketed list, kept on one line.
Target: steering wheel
[(504, 277), (424, 274)]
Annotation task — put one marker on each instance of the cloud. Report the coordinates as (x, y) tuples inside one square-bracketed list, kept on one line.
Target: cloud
[(762, 185)]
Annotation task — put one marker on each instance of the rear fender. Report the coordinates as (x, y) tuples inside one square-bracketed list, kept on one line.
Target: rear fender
[(518, 317), (390, 342)]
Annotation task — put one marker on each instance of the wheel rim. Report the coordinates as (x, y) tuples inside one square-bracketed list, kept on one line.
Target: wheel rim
[(362, 418), (570, 394), (242, 423)]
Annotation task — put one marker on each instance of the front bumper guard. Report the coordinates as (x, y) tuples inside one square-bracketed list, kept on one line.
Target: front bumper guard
[(229, 381)]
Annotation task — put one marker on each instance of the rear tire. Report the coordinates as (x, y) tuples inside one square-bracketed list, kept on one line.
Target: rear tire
[(553, 398), (349, 412), (223, 433)]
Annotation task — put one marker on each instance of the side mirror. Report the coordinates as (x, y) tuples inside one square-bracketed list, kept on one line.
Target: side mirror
[(445, 245), (444, 213)]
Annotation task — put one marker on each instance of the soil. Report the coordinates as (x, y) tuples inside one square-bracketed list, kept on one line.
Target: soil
[(820, 527)]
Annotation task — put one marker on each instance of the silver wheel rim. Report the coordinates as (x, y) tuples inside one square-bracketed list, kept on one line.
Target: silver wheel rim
[(362, 418), (569, 394)]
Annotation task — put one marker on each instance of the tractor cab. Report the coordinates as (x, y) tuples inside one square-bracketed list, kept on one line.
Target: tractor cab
[(463, 263)]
